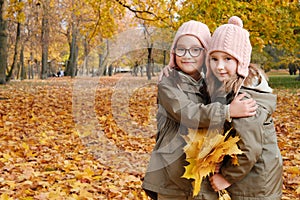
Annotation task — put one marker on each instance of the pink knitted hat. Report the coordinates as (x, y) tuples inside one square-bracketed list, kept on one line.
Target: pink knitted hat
[(194, 28), (231, 38)]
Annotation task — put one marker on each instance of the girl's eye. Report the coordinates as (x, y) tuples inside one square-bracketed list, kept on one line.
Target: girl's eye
[(214, 59), (228, 58), (181, 50), (195, 50)]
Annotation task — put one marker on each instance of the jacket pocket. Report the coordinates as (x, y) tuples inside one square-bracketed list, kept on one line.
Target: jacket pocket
[(269, 132)]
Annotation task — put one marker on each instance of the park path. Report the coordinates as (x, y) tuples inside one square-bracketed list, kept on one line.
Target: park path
[(109, 123)]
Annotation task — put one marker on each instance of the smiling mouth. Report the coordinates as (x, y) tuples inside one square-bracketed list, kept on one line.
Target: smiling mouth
[(187, 62), (223, 74)]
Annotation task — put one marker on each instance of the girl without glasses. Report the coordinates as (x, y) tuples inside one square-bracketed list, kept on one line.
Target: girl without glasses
[(259, 174)]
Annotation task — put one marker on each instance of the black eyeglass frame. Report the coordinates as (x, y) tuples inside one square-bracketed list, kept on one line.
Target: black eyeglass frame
[(185, 50)]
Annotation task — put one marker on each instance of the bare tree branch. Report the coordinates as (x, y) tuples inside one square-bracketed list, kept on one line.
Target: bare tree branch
[(138, 13)]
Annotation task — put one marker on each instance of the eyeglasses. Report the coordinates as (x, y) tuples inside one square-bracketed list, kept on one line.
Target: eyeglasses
[(194, 51)]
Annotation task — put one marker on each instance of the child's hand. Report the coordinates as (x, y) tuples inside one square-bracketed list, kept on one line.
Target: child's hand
[(218, 182), (218, 167), (164, 72), (242, 108)]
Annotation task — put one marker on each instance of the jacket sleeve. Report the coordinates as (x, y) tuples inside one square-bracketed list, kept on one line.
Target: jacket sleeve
[(250, 130), (177, 105)]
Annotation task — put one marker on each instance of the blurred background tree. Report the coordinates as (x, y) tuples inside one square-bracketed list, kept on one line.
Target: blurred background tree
[(43, 37)]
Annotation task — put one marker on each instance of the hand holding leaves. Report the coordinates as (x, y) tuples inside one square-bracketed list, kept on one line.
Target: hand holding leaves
[(205, 149)]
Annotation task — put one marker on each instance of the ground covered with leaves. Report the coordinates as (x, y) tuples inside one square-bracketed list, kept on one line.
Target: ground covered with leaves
[(90, 138)]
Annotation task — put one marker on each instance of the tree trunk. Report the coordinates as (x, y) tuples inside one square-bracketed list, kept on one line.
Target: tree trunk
[(164, 62), (15, 59), (71, 67), (149, 66), (45, 40), (86, 52), (100, 69), (38, 67), (18, 71), (72, 60), (152, 67), (23, 71), (3, 44), (103, 60), (68, 66), (75, 69), (29, 70), (30, 67)]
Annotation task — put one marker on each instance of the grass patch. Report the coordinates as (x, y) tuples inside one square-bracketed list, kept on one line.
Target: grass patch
[(279, 72), (284, 82)]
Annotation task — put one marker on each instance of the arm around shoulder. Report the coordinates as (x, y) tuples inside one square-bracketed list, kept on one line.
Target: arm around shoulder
[(192, 114)]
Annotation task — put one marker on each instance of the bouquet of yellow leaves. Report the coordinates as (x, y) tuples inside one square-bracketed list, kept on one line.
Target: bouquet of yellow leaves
[(205, 149)]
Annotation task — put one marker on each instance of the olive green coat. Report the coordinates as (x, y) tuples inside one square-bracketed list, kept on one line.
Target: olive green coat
[(259, 174), (181, 104)]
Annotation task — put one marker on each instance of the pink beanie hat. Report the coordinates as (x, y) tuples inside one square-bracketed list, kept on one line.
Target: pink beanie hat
[(194, 28), (231, 38)]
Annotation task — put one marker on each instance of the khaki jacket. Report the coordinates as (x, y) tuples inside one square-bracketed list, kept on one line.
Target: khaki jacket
[(180, 105), (259, 174)]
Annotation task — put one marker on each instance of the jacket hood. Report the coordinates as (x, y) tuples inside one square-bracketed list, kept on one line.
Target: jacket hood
[(262, 93), (260, 84)]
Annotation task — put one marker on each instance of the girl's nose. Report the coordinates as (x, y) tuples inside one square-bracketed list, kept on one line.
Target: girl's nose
[(220, 66), (188, 54)]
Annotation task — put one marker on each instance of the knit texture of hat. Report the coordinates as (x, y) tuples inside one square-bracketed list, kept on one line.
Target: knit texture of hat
[(231, 38), (194, 28)]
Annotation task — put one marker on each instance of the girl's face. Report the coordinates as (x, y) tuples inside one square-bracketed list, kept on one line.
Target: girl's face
[(192, 60), (222, 65)]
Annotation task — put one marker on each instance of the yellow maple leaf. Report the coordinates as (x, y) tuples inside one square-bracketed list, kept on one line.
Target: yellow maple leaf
[(223, 195), (234, 160), (205, 149), (298, 190), (5, 196), (194, 141)]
